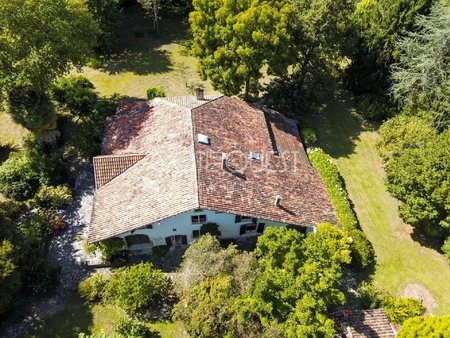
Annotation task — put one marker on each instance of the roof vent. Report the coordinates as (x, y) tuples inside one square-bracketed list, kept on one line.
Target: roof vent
[(199, 93), (277, 201), (226, 166), (255, 155), (203, 139)]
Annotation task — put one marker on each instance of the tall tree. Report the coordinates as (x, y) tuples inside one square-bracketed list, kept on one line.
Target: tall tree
[(234, 40), (152, 8), (378, 25), (39, 41), (421, 77)]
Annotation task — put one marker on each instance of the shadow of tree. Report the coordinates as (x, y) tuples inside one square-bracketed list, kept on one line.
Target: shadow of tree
[(426, 240), (138, 62)]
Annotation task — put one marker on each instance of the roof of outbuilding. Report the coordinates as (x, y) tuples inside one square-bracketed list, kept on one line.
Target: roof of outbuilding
[(362, 324), (177, 174)]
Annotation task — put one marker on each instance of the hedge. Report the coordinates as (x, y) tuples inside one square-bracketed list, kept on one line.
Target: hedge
[(362, 251)]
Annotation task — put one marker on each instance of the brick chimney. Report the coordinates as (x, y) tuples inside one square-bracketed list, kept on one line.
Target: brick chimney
[(200, 93)]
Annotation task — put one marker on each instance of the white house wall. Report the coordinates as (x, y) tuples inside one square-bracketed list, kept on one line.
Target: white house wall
[(181, 225)]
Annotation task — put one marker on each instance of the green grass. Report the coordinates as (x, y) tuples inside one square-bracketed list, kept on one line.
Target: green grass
[(401, 261), (78, 317), (141, 62)]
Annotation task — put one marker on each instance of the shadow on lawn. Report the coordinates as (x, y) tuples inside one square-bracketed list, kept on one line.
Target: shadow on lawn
[(139, 50)]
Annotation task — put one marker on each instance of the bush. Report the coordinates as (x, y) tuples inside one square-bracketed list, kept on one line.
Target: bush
[(400, 309), (210, 228), (134, 288), (160, 250), (110, 248), (429, 327), (362, 251), (91, 289), (55, 225), (76, 93), (446, 248), (93, 63), (153, 92), (308, 136), (134, 329), (54, 197), (18, 180)]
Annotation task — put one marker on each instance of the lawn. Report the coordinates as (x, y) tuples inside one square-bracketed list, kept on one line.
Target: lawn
[(141, 62), (94, 319), (404, 266)]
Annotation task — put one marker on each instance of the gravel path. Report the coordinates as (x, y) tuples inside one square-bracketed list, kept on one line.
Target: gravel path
[(66, 250)]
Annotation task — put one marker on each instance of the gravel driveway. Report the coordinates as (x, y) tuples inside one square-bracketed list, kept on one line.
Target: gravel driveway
[(66, 250)]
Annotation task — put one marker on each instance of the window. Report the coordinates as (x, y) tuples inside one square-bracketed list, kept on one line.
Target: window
[(198, 219), (196, 234), (239, 218), (149, 226), (248, 228), (137, 239)]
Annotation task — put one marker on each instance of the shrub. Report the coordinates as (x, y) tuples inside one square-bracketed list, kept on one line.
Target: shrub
[(91, 289), (362, 250), (160, 250), (446, 248), (153, 92), (429, 327), (369, 297), (54, 197), (55, 225), (110, 248), (76, 93), (210, 228), (308, 136), (134, 288), (93, 63), (400, 309), (134, 329), (138, 33), (18, 180)]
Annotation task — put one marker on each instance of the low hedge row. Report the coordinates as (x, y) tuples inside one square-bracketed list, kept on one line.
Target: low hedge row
[(362, 251)]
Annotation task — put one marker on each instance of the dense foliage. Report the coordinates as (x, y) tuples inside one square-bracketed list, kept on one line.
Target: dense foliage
[(40, 40), (421, 77), (129, 328), (417, 161), (234, 41), (286, 292), (429, 327), (134, 288), (362, 251), (378, 25)]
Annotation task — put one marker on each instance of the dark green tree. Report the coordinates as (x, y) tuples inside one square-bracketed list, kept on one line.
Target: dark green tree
[(421, 77)]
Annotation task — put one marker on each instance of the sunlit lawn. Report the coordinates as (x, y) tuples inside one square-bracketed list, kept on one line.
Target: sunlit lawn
[(401, 261), (141, 62)]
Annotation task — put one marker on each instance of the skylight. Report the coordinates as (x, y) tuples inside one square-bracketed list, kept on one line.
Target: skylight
[(203, 139)]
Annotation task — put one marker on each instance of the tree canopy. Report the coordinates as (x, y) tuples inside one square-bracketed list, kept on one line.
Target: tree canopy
[(39, 41), (235, 40), (421, 77)]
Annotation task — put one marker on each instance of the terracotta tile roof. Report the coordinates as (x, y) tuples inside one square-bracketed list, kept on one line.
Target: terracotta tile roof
[(160, 185), (191, 101), (362, 323), (108, 167), (179, 174), (237, 128)]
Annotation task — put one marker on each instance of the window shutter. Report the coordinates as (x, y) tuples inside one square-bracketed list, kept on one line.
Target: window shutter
[(168, 241), (238, 219), (184, 240), (243, 227), (260, 228)]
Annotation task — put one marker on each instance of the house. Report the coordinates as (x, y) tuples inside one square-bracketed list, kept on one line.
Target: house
[(172, 164), (363, 324)]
